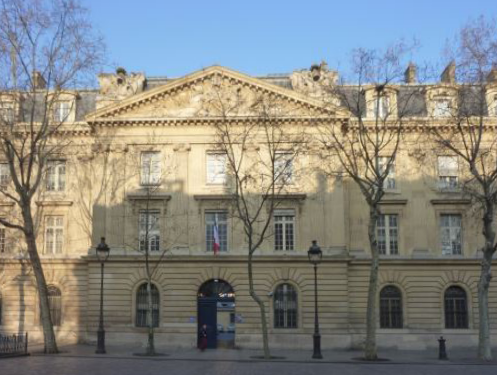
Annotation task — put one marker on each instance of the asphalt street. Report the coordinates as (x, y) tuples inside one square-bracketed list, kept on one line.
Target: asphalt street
[(54, 365)]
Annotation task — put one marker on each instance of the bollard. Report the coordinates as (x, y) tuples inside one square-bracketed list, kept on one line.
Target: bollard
[(442, 353)]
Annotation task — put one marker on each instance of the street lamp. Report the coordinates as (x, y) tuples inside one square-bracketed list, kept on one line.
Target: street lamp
[(315, 254), (103, 252)]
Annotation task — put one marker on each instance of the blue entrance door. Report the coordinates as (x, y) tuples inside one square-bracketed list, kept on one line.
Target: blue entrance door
[(207, 314)]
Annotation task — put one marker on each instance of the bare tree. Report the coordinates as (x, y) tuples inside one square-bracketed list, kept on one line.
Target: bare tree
[(260, 152), (46, 47), (466, 131), (365, 148)]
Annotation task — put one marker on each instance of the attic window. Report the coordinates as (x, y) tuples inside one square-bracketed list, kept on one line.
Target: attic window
[(7, 112), (441, 107), (61, 111)]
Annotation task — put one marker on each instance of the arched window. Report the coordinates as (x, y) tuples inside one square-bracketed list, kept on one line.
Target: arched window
[(456, 308), (142, 306), (285, 307), (390, 307), (55, 305)]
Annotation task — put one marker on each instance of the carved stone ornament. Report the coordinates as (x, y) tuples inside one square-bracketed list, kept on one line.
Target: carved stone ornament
[(118, 86), (315, 82)]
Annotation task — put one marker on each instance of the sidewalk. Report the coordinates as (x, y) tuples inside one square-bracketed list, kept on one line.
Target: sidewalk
[(387, 356)]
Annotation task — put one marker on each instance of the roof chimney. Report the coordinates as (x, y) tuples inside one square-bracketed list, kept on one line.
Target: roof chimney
[(39, 82), (449, 73), (492, 75), (410, 74)]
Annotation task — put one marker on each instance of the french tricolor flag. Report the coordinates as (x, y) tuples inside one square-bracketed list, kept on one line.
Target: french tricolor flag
[(216, 245)]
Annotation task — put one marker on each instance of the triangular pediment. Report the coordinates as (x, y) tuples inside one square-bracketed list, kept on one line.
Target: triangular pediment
[(213, 93)]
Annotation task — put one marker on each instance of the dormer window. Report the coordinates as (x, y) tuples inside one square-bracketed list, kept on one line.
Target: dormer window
[(61, 111), (441, 101), (441, 107), (381, 103), (7, 112), (382, 107)]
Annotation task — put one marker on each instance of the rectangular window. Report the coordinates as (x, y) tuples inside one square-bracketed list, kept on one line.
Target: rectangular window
[(283, 168), (61, 111), (149, 230), (441, 107), (150, 168), (448, 172), (389, 183), (4, 174), (382, 107), (7, 112), (284, 230), (216, 168), (387, 234), (2, 238), (217, 219), (54, 234), (56, 175), (450, 234)]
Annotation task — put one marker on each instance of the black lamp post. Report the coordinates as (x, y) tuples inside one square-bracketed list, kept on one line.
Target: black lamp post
[(103, 252), (315, 254)]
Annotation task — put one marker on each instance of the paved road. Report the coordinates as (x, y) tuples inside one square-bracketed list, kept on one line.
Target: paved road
[(53, 365)]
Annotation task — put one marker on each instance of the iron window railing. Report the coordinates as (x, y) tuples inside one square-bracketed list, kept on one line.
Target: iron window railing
[(285, 307), (390, 307), (456, 308), (142, 306)]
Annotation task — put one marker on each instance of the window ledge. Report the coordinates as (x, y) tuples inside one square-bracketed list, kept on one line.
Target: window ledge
[(393, 202), (212, 197), (58, 203), (457, 201), (294, 196), (144, 197)]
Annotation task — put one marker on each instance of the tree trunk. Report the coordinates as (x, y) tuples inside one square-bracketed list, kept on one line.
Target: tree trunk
[(262, 308), (50, 344), (484, 344), (370, 351), (150, 340)]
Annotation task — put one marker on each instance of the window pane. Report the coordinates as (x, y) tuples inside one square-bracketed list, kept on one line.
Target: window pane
[(149, 230), (211, 220), (283, 168), (54, 304), (216, 168), (390, 307), (142, 306), (54, 234), (456, 310), (285, 307), (284, 233), (56, 175), (450, 234), (150, 168), (387, 234)]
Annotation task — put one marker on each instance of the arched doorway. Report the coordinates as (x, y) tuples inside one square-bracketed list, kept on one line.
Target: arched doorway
[(216, 309)]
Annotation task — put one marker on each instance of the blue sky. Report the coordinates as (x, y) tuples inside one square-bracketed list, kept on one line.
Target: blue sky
[(174, 38)]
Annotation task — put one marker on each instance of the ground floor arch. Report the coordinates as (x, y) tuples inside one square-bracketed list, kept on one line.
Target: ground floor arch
[(216, 309)]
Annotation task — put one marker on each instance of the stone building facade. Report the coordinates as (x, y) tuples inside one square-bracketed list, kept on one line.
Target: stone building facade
[(135, 130)]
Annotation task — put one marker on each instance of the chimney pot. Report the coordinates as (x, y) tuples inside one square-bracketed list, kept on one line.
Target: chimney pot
[(449, 73), (38, 81), (410, 74)]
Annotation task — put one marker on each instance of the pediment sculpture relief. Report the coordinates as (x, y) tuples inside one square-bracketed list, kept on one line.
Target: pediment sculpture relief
[(216, 96)]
